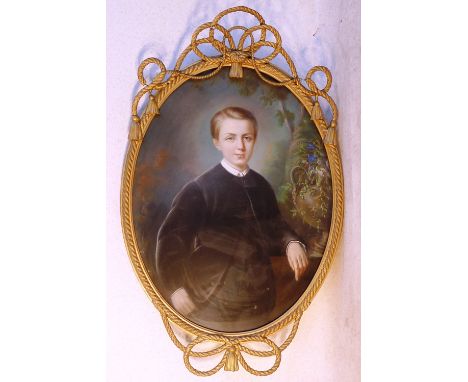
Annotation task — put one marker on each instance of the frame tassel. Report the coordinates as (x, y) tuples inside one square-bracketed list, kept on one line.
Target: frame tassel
[(231, 361), (152, 108), (236, 64), (236, 70), (317, 112), (330, 136), (135, 130)]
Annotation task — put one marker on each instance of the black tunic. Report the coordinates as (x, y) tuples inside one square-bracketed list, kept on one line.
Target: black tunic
[(216, 242)]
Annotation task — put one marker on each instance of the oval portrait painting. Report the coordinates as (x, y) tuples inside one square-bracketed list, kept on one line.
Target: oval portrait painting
[(232, 201)]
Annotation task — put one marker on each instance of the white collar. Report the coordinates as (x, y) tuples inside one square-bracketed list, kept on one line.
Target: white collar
[(234, 171)]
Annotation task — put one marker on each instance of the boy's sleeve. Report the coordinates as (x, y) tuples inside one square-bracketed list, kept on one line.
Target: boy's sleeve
[(176, 237)]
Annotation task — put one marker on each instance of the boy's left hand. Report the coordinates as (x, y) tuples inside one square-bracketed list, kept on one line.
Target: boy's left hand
[(297, 259)]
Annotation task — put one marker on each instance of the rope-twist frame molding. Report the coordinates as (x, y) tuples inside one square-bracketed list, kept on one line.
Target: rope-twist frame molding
[(236, 56)]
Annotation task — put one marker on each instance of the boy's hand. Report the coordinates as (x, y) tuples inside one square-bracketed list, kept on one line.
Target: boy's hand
[(182, 301), (297, 259)]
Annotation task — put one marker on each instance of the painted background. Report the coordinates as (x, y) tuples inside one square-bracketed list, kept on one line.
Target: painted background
[(178, 147), (327, 345)]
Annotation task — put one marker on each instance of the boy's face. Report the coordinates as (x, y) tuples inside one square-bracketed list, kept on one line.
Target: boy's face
[(236, 141)]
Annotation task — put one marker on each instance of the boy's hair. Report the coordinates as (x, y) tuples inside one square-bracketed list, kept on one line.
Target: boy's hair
[(234, 113)]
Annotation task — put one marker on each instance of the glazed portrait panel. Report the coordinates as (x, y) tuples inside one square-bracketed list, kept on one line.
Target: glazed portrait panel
[(289, 154)]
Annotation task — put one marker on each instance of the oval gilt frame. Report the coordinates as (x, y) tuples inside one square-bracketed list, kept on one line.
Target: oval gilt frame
[(235, 56)]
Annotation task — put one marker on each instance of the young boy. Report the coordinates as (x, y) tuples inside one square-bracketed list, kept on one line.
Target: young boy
[(213, 249)]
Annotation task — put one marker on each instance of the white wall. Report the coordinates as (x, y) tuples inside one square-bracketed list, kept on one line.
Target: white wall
[(316, 32)]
